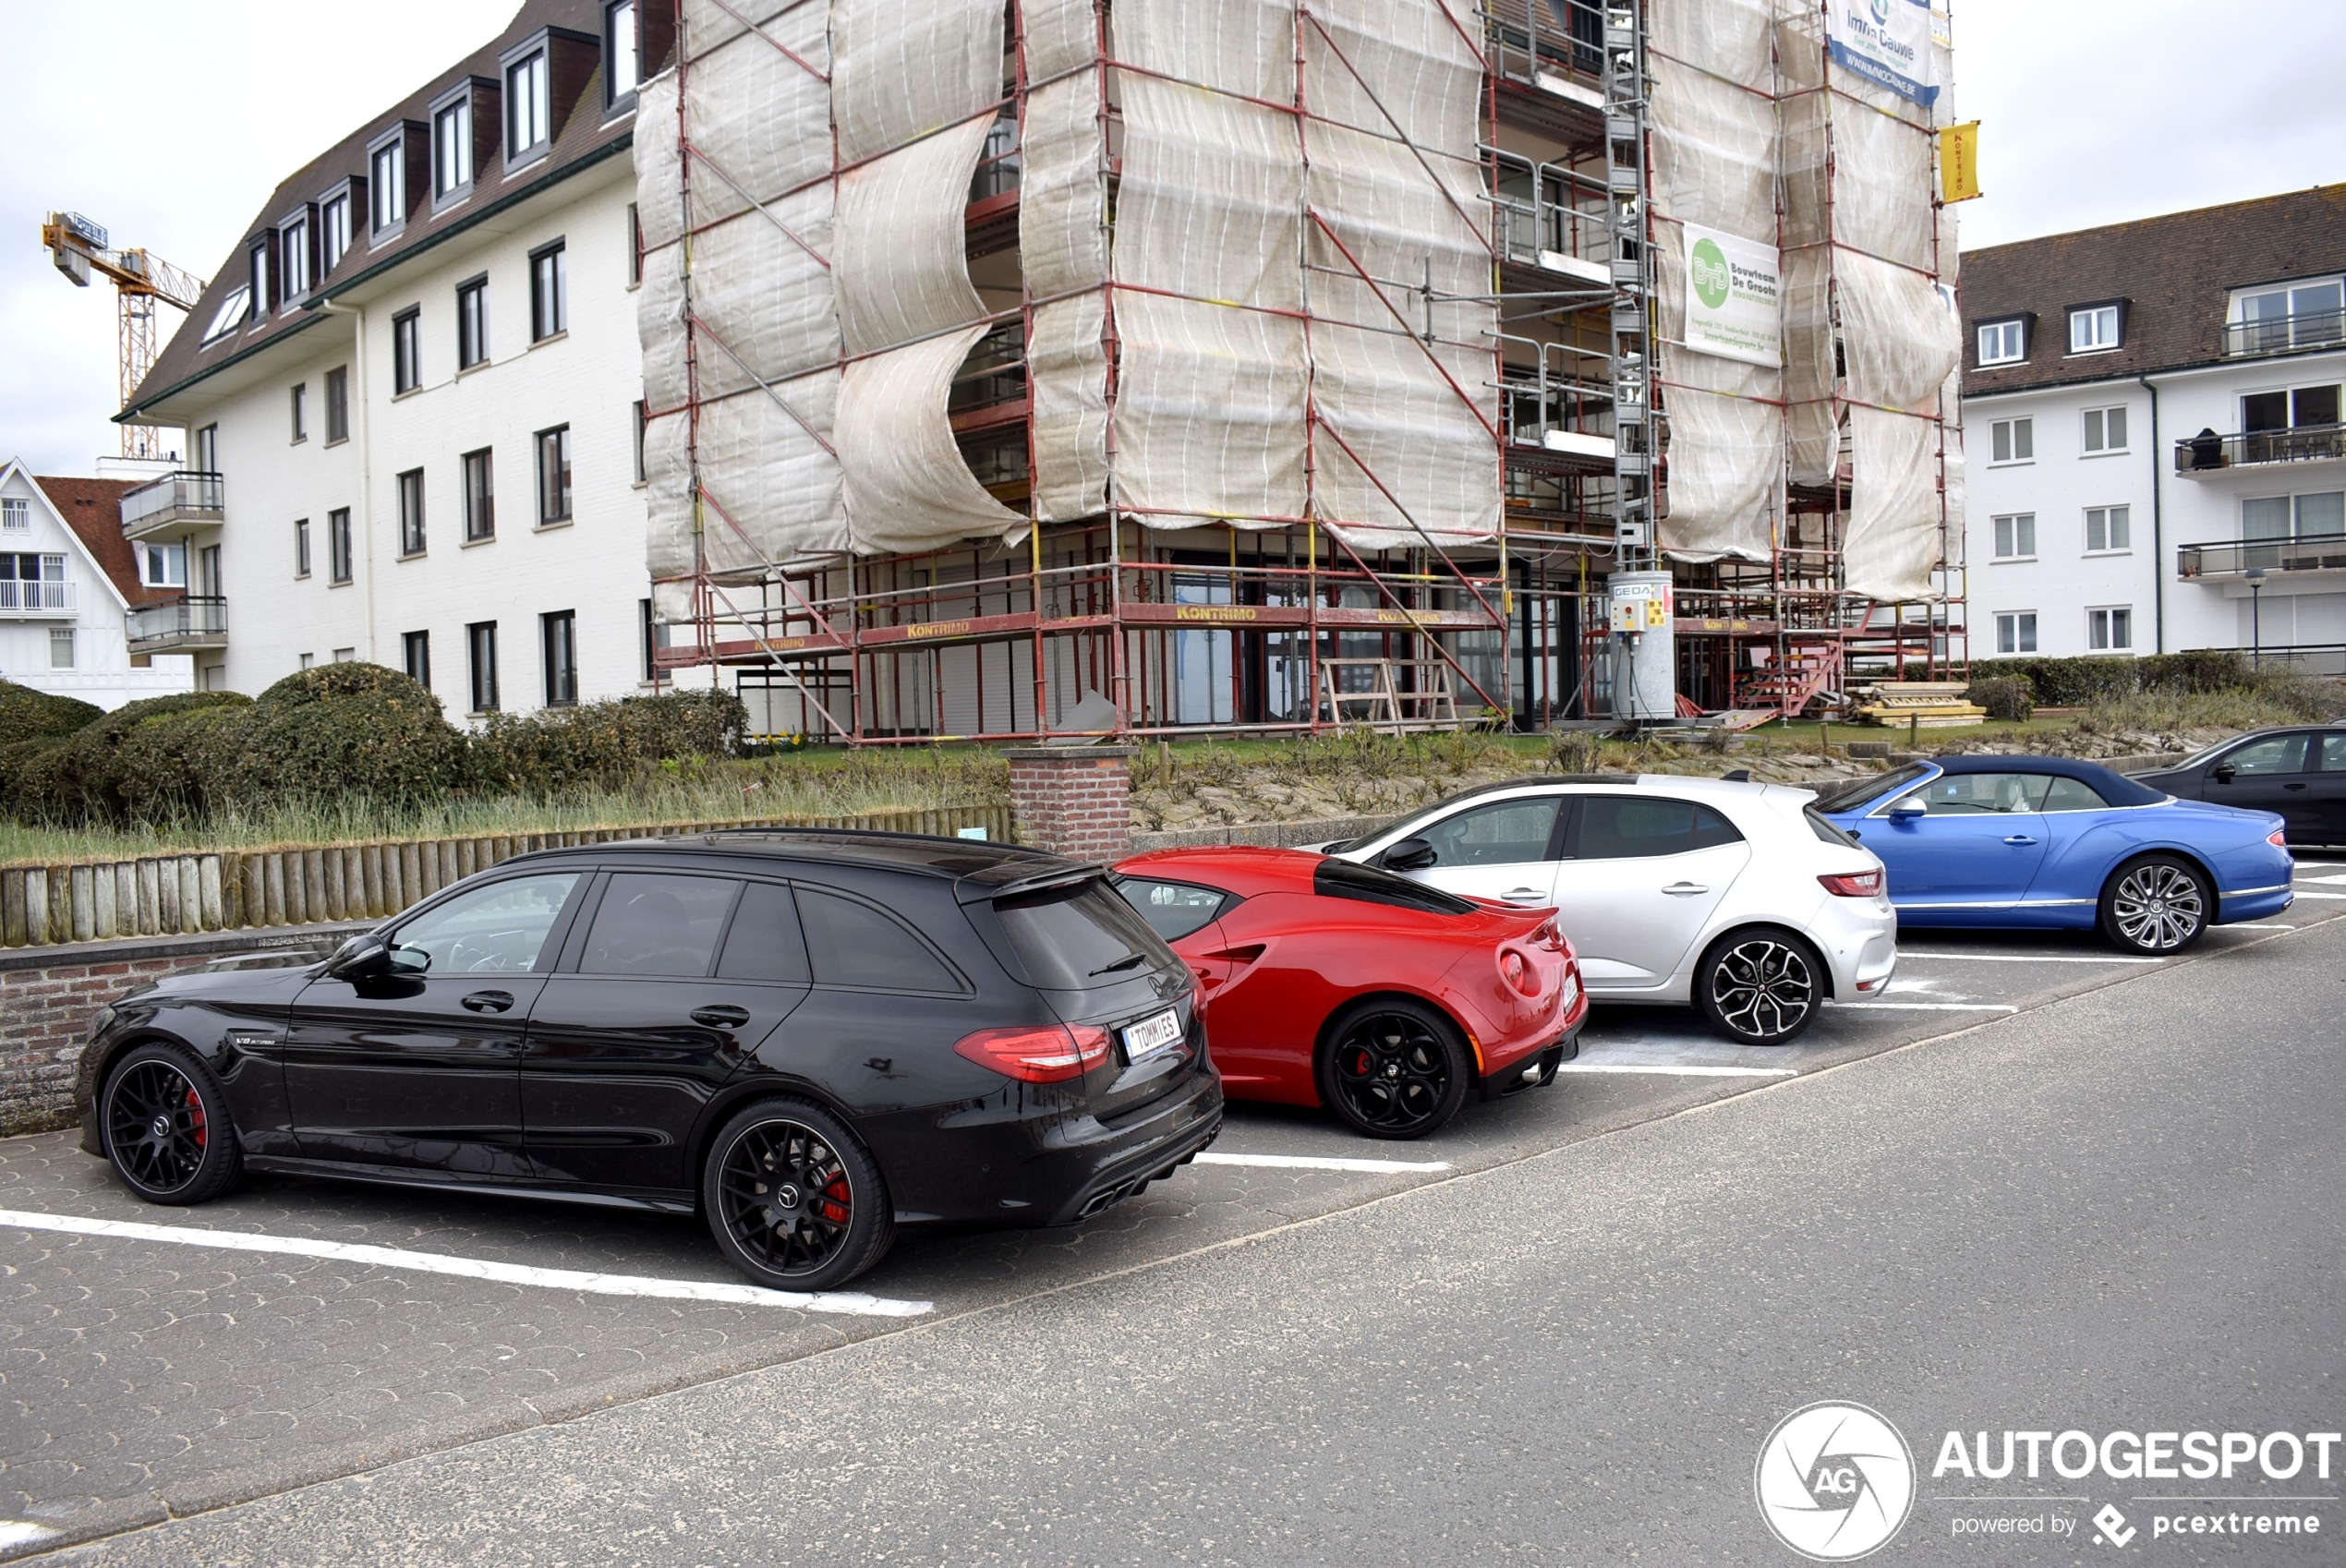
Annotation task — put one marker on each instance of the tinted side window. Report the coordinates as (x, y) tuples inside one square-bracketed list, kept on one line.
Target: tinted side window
[(1172, 909), (498, 929), (2276, 754), (654, 923), (855, 943), (1969, 794), (1615, 828), (2070, 794), (764, 943), (1072, 938), (1343, 879), (2334, 754), (1505, 833)]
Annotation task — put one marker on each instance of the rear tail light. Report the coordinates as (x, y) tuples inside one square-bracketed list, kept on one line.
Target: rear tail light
[(2278, 838), (1854, 884), (1518, 972), (1051, 1053)]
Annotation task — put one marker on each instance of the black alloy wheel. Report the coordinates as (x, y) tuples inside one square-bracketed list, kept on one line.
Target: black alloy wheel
[(1394, 1068), (794, 1199), (167, 1128), (1760, 987), (2158, 904)]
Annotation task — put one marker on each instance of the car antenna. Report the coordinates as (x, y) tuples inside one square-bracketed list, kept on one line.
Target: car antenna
[(1737, 776)]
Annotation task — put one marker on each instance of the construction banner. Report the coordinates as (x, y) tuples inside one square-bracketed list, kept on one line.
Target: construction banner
[(1735, 289), (1884, 41), (1959, 162)]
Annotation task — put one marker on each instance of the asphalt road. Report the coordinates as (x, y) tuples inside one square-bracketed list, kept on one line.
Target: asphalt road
[(2111, 1207)]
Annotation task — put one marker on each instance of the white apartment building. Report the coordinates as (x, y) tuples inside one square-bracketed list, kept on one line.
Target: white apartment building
[(71, 599), (410, 398), (2152, 423)]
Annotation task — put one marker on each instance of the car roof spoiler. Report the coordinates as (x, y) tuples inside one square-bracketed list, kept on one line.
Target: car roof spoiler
[(1066, 874)]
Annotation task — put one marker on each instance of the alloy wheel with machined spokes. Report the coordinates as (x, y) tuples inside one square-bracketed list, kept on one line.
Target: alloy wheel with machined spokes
[(2156, 906), (1760, 987), (794, 1199), (166, 1131), (1394, 1069)]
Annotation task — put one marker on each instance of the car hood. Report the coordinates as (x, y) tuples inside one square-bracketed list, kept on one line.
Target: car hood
[(242, 980)]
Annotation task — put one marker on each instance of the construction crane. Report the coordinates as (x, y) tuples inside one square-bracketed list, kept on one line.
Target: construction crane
[(77, 248)]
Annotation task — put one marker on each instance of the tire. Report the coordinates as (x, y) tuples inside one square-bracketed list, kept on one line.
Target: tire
[(1762, 985), (1392, 1067), (167, 1128), (794, 1199), (2156, 904)]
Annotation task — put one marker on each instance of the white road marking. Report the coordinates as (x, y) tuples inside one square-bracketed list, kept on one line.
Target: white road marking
[(853, 1302), (1304, 1162), (2302, 894), (2265, 927), (1922, 1007), (2324, 880), (1663, 1069), (2033, 958), (16, 1532)]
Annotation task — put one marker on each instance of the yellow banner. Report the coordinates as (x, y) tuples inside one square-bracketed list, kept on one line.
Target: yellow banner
[(1959, 162)]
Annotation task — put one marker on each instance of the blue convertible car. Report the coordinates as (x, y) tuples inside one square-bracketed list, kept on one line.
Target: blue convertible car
[(2046, 842)]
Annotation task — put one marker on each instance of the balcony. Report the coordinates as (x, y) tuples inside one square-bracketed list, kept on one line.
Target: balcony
[(182, 499), (2232, 559), (2196, 457), (2286, 334), (38, 600), (180, 625)]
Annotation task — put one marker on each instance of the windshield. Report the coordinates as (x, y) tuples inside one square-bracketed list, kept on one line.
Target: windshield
[(1075, 938), (1862, 791)]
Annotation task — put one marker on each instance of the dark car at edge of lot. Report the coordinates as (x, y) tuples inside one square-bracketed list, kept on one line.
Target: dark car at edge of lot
[(2297, 771), (810, 1038)]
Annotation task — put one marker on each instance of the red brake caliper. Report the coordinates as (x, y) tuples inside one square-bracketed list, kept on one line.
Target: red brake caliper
[(195, 1118), (836, 1210)]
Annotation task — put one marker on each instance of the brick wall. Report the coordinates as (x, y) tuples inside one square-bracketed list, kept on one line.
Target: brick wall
[(1073, 800)]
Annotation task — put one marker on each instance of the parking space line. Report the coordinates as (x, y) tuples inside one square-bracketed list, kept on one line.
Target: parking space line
[(2340, 877), (1308, 1163), (2259, 926), (1669, 1069), (853, 1302), (2031, 958), (1922, 1007), (16, 1532), (2302, 894)]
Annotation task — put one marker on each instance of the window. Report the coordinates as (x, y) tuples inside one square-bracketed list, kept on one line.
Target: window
[(307, 661), (2093, 329), (853, 943), (259, 280), (2107, 528), (2105, 430), (1505, 833), (208, 449), (2017, 631), (472, 323), (299, 411), (558, 638), (2334, 754), (480, 647), (414, 649), (2276, 754), (293, 253), (2072, 794), (407, 351), (653, 636), (634, 246), (235, 307), (2016, 536), (622, 56), (553, 475), (451, 148), (527, 111), (2281, 518), (2272, 321), (387, 184), (338, 545), (1173, 909), (2110, 631), (1616, 827), (500, 929), (481, 497), (652, 922), (549, 293), (1977, 794), (160, 566), (61, 647), (411, 513), (338, 404), (2012, 440), (765, 941), (639, 440), (301, 547), (2003, 343), (16, 514), (1079, 938), (345, 656), (333, 232)]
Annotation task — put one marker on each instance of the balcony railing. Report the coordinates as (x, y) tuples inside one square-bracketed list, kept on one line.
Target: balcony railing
[(189, 496), (38, 597), (192, 621), (2302, 443), (2234, 557), (2285, 335)]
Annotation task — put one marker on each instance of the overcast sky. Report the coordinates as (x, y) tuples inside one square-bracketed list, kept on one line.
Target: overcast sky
[(170, 123)]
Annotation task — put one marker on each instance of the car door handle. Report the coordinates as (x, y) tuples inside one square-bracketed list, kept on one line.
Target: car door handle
[(2297, 786), (1521, 895), (723, 1016), (1686, 889), (2020, 839), (490, 1001)]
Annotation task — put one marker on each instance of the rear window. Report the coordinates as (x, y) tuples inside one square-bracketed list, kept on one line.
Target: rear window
[(1073, 939), (1863, 791), (1173, 908), (1343, 879)]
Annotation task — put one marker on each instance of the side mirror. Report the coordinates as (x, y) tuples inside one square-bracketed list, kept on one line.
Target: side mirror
[(1410, 854), (1906, 811), (2223, 773), (365, 957)]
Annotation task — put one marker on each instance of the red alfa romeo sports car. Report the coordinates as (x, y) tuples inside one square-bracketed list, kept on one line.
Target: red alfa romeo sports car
[(1329, 984)]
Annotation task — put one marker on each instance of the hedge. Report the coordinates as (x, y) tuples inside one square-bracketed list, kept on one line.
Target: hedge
[(26, 715), (602, 744), (2081, 683)]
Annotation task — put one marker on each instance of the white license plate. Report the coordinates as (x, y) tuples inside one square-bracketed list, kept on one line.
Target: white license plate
[(1150, 1035)]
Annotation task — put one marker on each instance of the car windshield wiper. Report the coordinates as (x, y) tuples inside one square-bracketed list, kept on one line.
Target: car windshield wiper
[(1126, 962)]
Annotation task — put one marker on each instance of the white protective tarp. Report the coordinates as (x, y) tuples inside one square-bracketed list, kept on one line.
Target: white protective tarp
[(1240, 46), (899, 261), (906, 484), (1067, 372), (1891, 541), (1209, 412), (1726, 432), (901, 71), (1061, 36), (1063, 248), (1882, 183), (1900, 338)]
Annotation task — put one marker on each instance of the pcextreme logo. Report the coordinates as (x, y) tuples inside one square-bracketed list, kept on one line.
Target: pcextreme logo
[(1834, 1481), (1711, 276)]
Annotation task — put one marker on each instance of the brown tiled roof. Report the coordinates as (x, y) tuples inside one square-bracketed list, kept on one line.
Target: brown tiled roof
[(582, 136), (92, 508), (2174, 274)]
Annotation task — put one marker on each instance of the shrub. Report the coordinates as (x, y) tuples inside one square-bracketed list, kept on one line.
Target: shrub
[(2008, 697), (2202, 670), (28, 715), (177, 766), (607, 744), (29, 774), (2066, 682), (336, 731), (97, 758)]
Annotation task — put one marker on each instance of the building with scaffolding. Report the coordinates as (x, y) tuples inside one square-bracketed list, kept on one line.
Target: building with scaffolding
[(1171, 365)]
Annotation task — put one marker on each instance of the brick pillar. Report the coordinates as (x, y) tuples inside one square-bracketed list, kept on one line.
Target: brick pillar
[(1073, 800)]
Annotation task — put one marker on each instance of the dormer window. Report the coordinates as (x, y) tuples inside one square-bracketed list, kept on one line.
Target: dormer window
[(293, 255), (623, 53), (528, 110), (260, 277), (333, 230), (2003, 343), (387, 164), (451, 148), (2093, 329)]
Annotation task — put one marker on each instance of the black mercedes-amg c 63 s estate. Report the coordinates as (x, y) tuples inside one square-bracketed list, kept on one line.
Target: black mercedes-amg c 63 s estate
[(811, 1038)]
